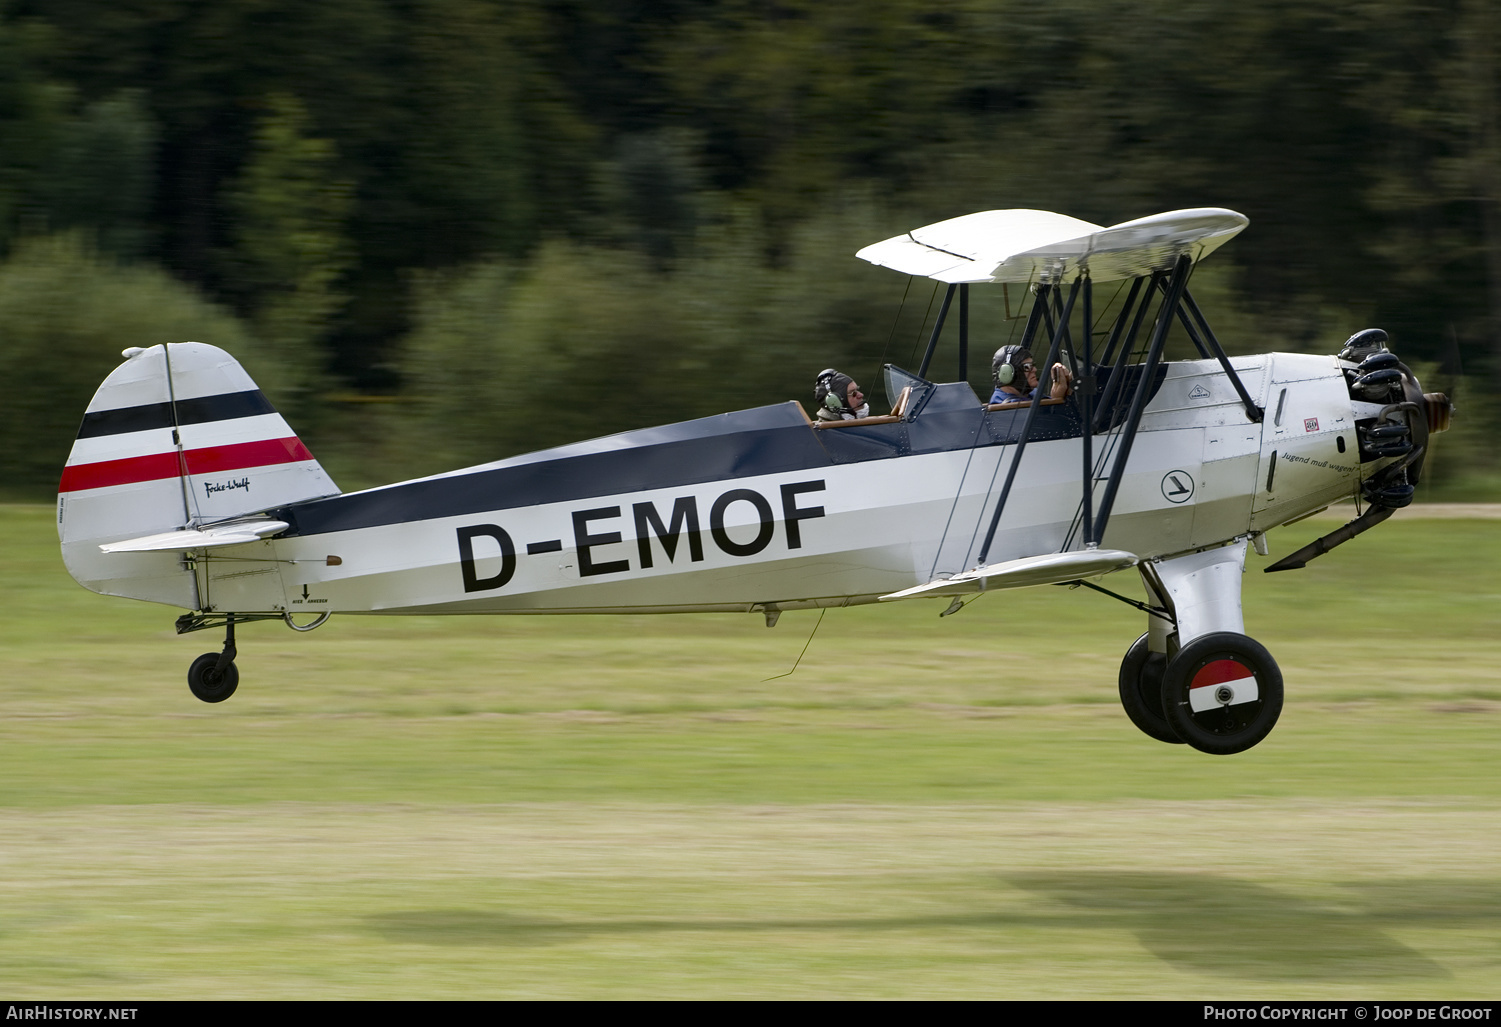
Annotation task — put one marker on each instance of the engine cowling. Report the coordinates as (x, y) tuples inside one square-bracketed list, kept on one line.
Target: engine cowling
[(1394, 418)]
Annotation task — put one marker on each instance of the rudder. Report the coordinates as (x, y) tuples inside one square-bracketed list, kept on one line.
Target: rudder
[(177, 436)]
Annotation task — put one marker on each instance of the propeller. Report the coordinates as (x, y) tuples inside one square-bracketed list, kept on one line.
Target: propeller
[(1450, 378)]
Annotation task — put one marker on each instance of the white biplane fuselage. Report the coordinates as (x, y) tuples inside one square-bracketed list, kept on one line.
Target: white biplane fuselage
[(657, 520), (186, 488)]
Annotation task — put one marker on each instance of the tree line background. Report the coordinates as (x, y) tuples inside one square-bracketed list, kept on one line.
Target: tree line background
[(443, 231)]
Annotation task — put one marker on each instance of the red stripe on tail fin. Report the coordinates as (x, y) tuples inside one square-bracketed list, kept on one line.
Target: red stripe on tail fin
[(208, 460)]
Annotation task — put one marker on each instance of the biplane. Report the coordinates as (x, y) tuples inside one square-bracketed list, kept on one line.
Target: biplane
[(185, 487)]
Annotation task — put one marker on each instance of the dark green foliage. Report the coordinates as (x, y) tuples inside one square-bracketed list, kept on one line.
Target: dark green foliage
[(99, 175), (65, 315), (585, 341), (70, 165), (633, 193), (289, 248)]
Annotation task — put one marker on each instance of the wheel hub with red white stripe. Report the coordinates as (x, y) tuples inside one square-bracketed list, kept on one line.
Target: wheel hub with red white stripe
[(1222, 683), (1222, 693)]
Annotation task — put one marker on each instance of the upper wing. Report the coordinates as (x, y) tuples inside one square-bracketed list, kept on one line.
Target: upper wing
[(1039, 246)]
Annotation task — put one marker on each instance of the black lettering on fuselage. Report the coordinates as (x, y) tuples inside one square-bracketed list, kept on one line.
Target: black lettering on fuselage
[(684, 515), (792, 513), (722, 537), (472, 581), (682, 521), (584, 541)]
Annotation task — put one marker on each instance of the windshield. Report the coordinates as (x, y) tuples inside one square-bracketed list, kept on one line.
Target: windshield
[(897, 380)]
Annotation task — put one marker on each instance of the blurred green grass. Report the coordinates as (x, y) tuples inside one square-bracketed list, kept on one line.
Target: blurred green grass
[(611, 806)]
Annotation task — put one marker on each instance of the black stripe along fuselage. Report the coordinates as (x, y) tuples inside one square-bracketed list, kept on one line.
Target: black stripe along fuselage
[(741, 444)]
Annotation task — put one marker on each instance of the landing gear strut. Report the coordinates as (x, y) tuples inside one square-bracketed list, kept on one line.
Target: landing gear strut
[(213, 677), (1219, 691)]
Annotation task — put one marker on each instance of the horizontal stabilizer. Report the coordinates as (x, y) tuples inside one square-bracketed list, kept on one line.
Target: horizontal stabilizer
[(229, 534), (1048, 569)]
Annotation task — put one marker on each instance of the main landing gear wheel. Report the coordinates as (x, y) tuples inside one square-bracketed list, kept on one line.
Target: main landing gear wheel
[(1141, 691), (1222, 693), (208, 682)]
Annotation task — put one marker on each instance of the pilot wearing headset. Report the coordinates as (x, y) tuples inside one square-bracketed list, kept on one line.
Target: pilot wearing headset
[(838, 397), (1015, 373)]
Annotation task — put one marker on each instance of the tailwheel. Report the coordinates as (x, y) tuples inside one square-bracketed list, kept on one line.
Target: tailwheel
[(209, 681), (1222, 693), (1141, 691), (213, 677)]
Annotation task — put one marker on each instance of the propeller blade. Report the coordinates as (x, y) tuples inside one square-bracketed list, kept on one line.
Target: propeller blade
[(1450, 367)]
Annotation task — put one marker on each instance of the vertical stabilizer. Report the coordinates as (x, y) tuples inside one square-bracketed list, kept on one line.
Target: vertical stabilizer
[(177, 436)]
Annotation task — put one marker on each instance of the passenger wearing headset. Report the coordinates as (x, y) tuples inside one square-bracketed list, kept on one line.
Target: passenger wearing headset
[(1015, 374), (838, 397)]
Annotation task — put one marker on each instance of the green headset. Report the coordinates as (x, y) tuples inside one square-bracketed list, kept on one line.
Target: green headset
[(825, 383), (1006, 362)]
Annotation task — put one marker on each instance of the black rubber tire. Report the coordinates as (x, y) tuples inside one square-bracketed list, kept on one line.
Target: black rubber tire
[(1141, 691), (208, 685), (1222, 730)]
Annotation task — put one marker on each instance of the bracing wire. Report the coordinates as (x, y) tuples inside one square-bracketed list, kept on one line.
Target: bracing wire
[(892, 334), (913, 355), (1094, 328), (1011, 337)]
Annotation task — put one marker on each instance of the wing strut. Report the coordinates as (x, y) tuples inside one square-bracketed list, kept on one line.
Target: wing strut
[(1105, 411), (1021, 445), (1193, 335), (1254, 412), (1120, 322), (1086, 411), (1214, 350), (943, 312), (1139, 401), (964, 332)]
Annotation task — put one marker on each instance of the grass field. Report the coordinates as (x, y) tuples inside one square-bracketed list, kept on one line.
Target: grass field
[(624, 807)]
